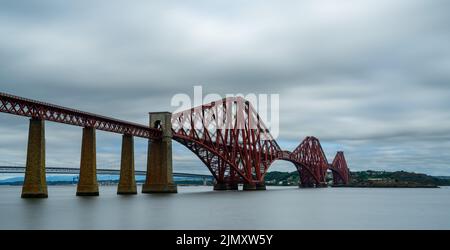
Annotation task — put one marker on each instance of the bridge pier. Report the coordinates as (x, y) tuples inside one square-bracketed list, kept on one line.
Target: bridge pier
[(312, 185), (303, 185), (220, 186), (249, 187), (159, 177), (87, 182), (35, 185), (232, 186), (261, 186), (127, 182), (254, 186), (322, 185)]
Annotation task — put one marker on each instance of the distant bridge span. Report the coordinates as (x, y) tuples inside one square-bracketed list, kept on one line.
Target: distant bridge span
[(53, 170), (227, 135)]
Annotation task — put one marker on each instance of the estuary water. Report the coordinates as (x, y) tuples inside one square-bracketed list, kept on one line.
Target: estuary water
[(198, 207)]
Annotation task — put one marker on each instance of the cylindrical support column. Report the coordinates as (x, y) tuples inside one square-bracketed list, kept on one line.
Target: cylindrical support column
[(87, 183), (35, 185), (127, 182), (159, 177)]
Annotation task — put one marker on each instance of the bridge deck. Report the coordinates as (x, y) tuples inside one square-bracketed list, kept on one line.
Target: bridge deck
[(31, 108)]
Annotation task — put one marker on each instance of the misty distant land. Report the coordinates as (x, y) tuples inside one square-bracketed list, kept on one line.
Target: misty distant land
[(368, 178)]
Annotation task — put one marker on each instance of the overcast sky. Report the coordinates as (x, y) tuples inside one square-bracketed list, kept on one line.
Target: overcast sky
[(370, 77)]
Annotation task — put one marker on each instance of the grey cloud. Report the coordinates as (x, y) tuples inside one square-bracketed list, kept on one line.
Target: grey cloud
[(374, 74)]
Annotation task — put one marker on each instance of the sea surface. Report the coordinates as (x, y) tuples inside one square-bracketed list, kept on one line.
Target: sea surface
[(198, 207)]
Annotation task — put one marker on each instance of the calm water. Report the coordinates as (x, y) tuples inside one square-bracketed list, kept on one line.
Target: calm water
[(201, 208)]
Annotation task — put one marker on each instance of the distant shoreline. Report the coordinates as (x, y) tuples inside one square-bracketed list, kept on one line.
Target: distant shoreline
[(385, 186), (368, 179)]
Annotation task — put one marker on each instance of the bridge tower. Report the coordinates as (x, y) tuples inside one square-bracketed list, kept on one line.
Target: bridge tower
[(159, 177)]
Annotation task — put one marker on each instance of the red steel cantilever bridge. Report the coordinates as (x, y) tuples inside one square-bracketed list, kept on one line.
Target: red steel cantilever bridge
[(228, 136), (232, 141)]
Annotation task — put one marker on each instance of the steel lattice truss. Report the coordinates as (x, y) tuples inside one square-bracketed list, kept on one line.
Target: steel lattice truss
[(229, 138), (341, 173), (232, 141), (25, 107), (227, 135), (310, 161)]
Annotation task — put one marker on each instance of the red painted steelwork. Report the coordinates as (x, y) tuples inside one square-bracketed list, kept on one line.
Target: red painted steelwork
[(26, 107), (311, 162), (231, 140), (341, 173), (227, 135)]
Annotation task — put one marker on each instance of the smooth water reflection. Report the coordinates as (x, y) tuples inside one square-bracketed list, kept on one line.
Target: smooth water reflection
[(201, 208)]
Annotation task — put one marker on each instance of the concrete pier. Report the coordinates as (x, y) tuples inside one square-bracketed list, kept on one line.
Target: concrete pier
[(225, 186), (159, 177), (127, 182), (87, 184), (261, 186), (300, 185), (220, 186), (249, 187), (35, 185), (323, 185)]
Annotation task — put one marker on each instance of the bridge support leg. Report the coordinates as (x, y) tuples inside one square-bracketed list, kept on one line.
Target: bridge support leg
[(35, 185), (87, 183), (159, 177), (127, 182)]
